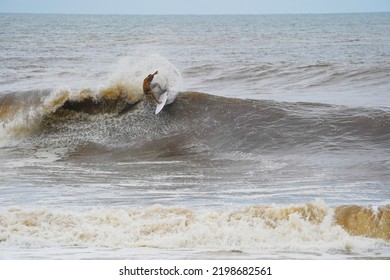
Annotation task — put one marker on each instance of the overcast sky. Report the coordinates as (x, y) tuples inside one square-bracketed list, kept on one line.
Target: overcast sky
[(193, 6)]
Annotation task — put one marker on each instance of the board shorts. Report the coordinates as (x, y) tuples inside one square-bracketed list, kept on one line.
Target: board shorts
[(152, 87), (148, 91)]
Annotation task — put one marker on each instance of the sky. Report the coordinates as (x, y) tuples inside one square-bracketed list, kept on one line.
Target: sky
[(193, 6)]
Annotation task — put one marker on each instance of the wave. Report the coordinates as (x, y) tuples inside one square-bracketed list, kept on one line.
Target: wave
[(116, 116), (282, 76), (313, 226), (23, 113)]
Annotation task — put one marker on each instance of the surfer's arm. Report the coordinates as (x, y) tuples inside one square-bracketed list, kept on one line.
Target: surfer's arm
[(151, 76)]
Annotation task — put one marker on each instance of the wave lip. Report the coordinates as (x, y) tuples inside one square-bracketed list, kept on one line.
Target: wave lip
[(365, 221)]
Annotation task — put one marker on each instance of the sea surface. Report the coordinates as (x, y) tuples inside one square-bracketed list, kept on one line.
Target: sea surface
[(275, 143)]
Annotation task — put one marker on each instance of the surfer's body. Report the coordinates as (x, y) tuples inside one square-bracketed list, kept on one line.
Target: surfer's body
[(148, 86)]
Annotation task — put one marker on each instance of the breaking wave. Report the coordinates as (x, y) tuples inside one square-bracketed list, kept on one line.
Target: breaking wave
[(313, 226), (116, 116), (24, 113)]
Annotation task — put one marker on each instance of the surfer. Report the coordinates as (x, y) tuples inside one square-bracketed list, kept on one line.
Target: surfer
[(148, 87)]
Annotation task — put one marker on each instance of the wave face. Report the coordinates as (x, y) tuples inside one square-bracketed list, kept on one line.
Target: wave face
[(23, 114), (197, 119)]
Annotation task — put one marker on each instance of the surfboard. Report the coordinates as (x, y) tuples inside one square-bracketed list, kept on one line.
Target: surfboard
[(163, 99)]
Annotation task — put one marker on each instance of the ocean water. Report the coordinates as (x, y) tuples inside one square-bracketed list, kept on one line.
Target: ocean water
[(275, 142)]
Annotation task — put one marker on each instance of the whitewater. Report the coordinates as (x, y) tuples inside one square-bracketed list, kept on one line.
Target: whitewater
[(274, 142)]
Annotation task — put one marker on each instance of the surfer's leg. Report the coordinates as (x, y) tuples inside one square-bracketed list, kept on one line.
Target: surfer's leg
[(154, 97), (156, 85)]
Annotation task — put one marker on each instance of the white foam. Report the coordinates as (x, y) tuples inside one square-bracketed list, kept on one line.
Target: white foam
[(134, 69), (176, 228)]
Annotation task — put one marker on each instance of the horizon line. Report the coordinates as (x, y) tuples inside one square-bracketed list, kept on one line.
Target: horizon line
[(194, 14)]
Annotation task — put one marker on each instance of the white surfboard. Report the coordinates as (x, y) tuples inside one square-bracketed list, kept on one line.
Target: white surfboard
[(163, 99)]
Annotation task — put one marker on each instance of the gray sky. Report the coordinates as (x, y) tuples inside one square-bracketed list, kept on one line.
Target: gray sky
[(193, 6)]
